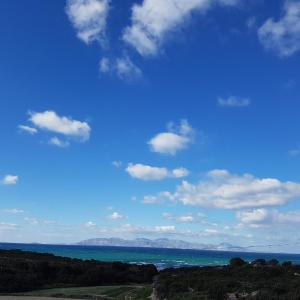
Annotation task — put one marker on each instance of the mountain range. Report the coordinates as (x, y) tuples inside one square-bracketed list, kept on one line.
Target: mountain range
[(159, 243)]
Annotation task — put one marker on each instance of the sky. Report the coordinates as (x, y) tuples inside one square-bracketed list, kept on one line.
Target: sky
[(158, 119)]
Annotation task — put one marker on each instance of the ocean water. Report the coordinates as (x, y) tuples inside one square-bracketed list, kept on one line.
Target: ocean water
[(162, 258)]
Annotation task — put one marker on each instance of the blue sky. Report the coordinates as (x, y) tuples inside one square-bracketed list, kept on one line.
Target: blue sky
[(175, 119)]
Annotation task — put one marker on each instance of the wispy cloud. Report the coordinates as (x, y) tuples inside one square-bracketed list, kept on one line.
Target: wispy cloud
[(13, 211), (28, 129), (7, 226), (123, 67), (234, 101), (117, 163), (89, 18), (283, 36), (188, 218), (55, 141), (295, 152)]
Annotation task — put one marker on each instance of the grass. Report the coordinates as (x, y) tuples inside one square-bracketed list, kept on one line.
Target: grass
[(136, 292)]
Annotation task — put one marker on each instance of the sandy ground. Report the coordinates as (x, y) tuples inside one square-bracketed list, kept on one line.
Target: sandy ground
[(29, 298)]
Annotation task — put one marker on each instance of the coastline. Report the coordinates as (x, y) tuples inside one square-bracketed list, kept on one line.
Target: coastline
[(161, 257), (40, 274)]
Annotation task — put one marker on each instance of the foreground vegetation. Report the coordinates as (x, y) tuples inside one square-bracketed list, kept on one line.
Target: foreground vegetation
[(33, 274), (259, 280), (22, 271)]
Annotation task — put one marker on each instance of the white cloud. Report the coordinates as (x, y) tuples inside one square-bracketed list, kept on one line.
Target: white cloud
[(123, 67), (153, 20), (283, 36), (289, 217), (165, 229), (159, 199), (32, 221), (227, 191), (13, 211), (55, 141), (116, 216), (117, 163), (180, 172), (148, 173), (90, 225), (126, 69), (52, 122), (89, 18), (174, 140), (259, 218), (104, 65), (7, 226), (10, 180), (233, 101), (28, 129), (188, 218), (179, 219), (151, 200), (253, 216)]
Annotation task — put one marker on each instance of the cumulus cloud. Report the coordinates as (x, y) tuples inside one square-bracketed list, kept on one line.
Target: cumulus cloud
[(233, 101), (10, 180), (51, 121), (89, 18), (116, 216), (153, 20), (258, 218), (223, 190), (148, 173), (283, 36), (173, 140), (28, 129)]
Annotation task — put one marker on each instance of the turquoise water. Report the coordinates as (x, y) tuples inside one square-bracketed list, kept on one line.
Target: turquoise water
[(162, 258)]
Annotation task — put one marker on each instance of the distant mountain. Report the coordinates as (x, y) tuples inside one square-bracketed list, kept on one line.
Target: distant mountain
[(158, 243)]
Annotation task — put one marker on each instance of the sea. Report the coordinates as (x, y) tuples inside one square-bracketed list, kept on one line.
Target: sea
[(161, 258)]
